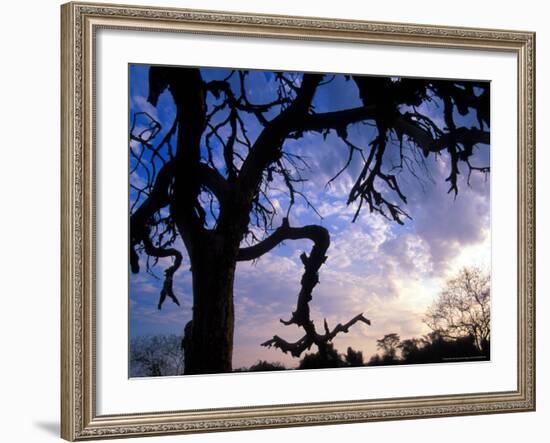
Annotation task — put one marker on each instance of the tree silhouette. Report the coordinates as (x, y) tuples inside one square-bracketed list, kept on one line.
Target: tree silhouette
[(410, 346), (330, 358), (354, 358), (156, 355), (388, 344), (263, 366), (463, 308), (433, 348), (430, 348), (210, 179)]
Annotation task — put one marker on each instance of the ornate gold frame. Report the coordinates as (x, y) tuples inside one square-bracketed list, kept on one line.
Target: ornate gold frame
[(78, 417)]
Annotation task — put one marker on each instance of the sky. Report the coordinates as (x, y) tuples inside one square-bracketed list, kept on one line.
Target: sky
[(389, 272)]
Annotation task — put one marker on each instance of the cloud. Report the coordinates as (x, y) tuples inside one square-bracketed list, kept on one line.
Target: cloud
[(139, 103), (447, 224)]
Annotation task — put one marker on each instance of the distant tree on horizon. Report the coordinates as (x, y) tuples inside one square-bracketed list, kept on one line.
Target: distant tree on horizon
[(354, 358), (463, 308), (156, 355), (263, 366), (460, 319), (389, 344)]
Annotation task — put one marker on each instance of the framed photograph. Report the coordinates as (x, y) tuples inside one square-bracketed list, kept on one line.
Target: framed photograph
[(282, 221)]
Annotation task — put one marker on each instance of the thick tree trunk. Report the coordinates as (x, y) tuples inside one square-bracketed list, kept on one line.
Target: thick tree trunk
[(208, 342)]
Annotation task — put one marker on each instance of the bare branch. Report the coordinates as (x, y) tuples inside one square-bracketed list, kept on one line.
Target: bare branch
[(310, 278)]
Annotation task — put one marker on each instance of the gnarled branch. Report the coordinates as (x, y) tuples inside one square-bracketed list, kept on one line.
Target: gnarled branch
[(312, 263)]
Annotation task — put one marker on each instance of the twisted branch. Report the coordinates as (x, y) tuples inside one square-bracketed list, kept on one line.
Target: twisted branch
[(312, 263)]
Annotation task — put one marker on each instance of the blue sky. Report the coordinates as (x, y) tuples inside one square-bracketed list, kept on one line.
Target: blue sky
[(389, 272)]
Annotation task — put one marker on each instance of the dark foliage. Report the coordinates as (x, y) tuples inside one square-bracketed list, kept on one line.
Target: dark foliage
[(263, 366), (318, 360), (433, 348), (354, 358), (377, 360), (155, 356), (332, 359), (436, 349)]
